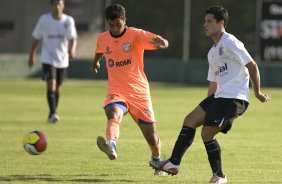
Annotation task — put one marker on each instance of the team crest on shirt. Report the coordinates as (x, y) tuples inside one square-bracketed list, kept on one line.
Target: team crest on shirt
[(126, 47), (66, 25), (220, 51)]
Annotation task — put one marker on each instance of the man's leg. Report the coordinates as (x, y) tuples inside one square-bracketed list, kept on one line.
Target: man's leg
[(52, 102), (50, 75), (61, 74), (150, 134), (219, 118), (184, 141), (114, 113), (213, 149), (51, 95)]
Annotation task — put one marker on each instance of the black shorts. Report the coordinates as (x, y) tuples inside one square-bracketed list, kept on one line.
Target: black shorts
[(221, 112), (50, 72)]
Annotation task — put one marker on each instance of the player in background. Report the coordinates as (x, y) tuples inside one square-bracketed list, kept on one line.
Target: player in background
[(128, 88), (57, 33), (230, 68)]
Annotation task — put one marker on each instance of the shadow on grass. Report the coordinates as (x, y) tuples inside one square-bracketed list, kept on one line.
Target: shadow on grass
[(49, 178)]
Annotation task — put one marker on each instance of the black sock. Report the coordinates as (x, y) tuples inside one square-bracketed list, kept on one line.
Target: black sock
[(57, 96), (214, 156), (184, 141), (51, 97)]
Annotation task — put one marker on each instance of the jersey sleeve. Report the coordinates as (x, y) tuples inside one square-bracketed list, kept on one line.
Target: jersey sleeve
[(38, 30), (238, 50), (144, 38), (211, 74), (99, 45), (71, 29)]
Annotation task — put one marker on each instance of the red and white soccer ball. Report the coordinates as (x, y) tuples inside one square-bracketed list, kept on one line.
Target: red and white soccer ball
[(35, 142)]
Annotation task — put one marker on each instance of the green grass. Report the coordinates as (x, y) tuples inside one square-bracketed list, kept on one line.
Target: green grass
[(252, 151)]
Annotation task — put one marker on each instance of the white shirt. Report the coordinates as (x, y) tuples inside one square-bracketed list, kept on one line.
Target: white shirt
[(227, 62), (55, 35)]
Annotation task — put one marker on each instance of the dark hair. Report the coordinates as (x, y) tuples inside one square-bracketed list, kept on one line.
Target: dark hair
[(219, 13), (52, 1), (115, 11)]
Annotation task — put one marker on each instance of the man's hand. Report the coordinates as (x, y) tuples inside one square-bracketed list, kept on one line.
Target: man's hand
[(71, 54), (95, 67), (96, 64), (30, 62), (263, 97), (159, 42)]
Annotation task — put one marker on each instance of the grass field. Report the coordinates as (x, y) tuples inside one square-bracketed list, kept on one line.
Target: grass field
[(252, 151)]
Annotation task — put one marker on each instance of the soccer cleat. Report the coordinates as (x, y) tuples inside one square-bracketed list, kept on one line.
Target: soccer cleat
[(165, 166), (158, 172), (53, 118), (107, 147), (218, 180)]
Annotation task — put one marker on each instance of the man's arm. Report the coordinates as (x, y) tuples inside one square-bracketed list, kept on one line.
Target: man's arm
[(160, 42), (255, 79), (96, 65), (72, 47), (34, 47), (212, 88)]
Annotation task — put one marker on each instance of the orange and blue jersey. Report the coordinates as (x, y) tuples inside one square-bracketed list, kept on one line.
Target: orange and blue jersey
[(127, 81), (124, 60)]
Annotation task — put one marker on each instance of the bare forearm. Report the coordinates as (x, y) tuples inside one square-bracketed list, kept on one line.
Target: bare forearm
[(254, 76), (34, 46), (96, 65), (72, 47), (97, 57)]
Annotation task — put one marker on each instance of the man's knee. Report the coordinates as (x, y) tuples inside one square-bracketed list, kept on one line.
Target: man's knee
[(208, 133), (114, 113)]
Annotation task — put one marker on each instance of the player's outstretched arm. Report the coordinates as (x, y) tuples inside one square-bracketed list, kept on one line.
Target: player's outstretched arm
[(96, 65), (255, 78), (159, 42)]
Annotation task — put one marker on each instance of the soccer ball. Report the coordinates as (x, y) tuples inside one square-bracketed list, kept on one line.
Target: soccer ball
[(35, 142)]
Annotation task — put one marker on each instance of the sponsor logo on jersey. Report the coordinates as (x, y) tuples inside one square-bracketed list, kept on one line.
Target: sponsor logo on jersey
[(126, 47), (58, 36), (222, 70), (108, 50), (125, 62), (111, 63)]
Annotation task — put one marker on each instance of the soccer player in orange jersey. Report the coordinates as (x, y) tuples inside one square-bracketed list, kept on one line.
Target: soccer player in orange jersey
[(128, 87)]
